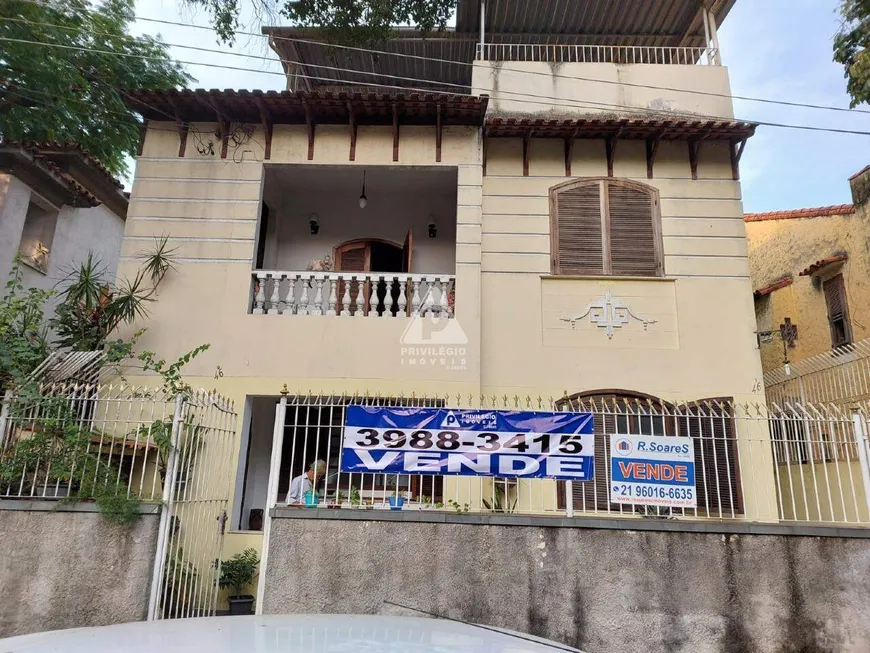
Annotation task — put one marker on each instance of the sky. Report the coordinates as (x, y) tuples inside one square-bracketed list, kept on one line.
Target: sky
[(776, 49)]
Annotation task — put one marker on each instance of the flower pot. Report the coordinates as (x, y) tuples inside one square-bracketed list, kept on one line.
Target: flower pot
[(311, 499), (396, 503), (241, 604)]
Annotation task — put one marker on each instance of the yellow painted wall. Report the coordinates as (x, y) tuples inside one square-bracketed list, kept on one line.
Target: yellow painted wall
[(781, 247)]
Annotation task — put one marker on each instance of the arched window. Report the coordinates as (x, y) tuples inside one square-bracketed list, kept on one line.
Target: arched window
[(605, 226), (709, 422)]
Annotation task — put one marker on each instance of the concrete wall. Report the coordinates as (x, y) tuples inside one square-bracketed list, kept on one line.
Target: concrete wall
[(599, 590), (539, 87), (781, 247), (68, 568), (78, 231)]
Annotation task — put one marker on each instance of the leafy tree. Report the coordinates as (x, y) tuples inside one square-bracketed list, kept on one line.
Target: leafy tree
[(852, 48), (75, 93), (23, 335), (357, 22)]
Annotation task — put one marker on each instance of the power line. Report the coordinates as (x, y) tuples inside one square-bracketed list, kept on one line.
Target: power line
[(537, 101), (461, 63)]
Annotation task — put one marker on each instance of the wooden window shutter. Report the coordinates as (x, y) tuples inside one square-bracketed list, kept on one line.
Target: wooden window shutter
[(710, 423), (838, 314), (577, 244), (633, 230)]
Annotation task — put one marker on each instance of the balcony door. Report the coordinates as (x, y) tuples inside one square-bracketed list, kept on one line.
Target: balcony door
[(376, 256)]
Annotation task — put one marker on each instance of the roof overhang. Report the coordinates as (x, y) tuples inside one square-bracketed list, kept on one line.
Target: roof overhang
[(776, 285), (622, 128), (446, 58), (63, 174), (824, 265), (327, 107)]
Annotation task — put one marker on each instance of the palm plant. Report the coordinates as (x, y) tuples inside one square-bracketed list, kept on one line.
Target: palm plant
[(91, 307)]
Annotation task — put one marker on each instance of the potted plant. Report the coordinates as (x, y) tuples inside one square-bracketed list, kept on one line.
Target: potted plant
[(396, 499), (237, 573)]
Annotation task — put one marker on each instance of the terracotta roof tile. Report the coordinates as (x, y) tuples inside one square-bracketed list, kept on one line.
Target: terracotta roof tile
[(823, 263), (776, 285), (819, 212)]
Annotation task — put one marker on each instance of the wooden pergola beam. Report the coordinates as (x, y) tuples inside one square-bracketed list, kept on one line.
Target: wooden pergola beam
[(351, 117), (736, 148), (310, 128), (395, 131), (652, 150), (438, 133), (569, 154), (266, 120), (610, 149), (527, 146), (483, 148), (181, 127), (143, 130), (694, 148)]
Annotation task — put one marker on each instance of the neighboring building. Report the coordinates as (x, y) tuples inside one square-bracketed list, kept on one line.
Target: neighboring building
[(57, 204), (810, 267), (575, 221)]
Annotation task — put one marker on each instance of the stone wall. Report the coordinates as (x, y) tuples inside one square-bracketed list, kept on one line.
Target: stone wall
[(599, 589), (68, 567)]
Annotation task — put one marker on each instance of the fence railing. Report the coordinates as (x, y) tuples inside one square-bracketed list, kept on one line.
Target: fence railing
[(352, 294), (752, 462), (618, 54), (120, 446), (840, 376)]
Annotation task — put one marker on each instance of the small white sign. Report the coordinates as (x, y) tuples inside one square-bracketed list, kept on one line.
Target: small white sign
[(650, 470)]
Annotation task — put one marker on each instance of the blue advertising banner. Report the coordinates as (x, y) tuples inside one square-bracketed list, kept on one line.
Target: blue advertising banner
[(504, 443)]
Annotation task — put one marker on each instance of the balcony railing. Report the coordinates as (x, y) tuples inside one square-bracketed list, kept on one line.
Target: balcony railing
[(618, 54), (352, 294)]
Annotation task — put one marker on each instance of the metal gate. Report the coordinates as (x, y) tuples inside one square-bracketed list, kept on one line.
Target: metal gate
[(196, 492)]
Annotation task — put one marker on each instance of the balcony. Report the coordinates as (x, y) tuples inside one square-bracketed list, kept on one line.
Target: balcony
[(354, 242), (615, 54)]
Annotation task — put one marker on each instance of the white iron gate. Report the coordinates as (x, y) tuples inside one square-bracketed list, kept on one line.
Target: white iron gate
[(196, 491)]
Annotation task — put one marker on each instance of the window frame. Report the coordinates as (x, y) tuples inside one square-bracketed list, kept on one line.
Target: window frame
[(604, 196), (840, 280)]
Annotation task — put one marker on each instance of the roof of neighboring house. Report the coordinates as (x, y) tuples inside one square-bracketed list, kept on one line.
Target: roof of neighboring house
[(64, 173), (776, 285), (859, 173), (821, 264), (411, 54), (601, 126), (324, 107), (819, 212)]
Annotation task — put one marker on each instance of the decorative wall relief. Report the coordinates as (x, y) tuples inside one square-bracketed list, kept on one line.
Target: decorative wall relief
[(609, 314)]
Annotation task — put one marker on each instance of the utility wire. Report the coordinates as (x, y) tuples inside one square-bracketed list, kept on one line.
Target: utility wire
[(461, 63), (570, 104)]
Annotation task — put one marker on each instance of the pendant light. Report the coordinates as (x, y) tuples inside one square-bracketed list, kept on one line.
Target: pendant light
[(363, 200)]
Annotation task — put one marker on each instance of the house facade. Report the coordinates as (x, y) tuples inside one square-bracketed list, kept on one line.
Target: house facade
[(57, 204), (810, 266), (563, 206)]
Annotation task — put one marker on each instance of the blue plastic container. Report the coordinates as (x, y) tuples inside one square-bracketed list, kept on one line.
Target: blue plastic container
[(396, 503), (311, 499)]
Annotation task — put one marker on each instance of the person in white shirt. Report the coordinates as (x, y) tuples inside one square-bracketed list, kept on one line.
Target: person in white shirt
[(305, 482)]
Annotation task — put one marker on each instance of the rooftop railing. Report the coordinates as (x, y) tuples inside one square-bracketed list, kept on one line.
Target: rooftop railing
[(618, 54)]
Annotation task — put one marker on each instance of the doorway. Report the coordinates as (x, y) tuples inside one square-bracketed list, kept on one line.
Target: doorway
[(378, 256)]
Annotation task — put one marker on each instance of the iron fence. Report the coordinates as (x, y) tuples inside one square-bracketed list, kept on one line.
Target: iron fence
[(119, 446), (802, 463), (618, 54)]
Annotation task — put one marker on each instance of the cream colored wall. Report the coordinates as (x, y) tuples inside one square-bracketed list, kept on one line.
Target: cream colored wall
[(781, 247), (538, 87), (209, 208)]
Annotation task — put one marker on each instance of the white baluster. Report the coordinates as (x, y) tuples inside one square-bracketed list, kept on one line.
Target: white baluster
[(303, 301), (260, 296), (290, 298), (373, 296), (332, 297), (318, 298), (360, 295), (402, 281), (428, 299), (389, 302), (415, 298), (345, 298), (443, 305), (274, 300)]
